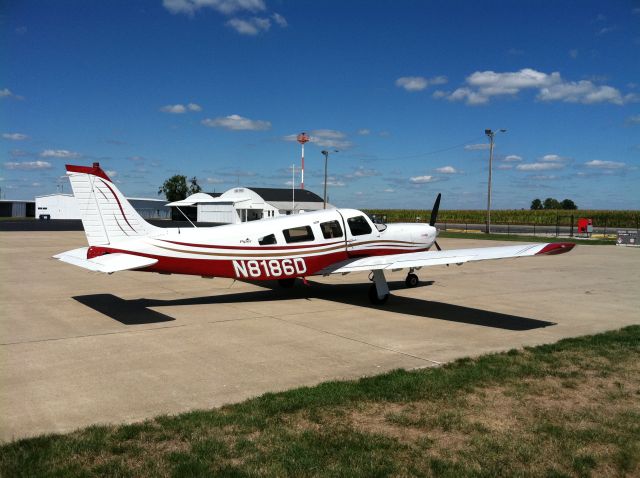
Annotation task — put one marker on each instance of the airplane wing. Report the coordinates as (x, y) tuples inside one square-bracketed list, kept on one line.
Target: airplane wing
[(108, 263), (453, 256)]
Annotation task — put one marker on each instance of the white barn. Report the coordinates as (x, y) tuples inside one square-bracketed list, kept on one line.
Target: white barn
[(243, 204)]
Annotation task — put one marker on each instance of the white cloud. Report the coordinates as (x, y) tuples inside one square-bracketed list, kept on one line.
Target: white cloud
[(214, 181), (573, 53), (179, 108), (544, 177), (334, 182), (598, 164), (481, 86), (15, 136), (136, 158), (252, 26), (280, 20), (59, 153), (111, 173), (419, 83), (237, 123), (226, 7), (585, 92), (421, 179), (367, 132), (7, 93), (325, 138), (412, 83), (504, 166), (512, 158), (388, 190), (362, 172), (553, 158), (28, 165), (539, 166), (635, 119), (447, 170), (476, 147)]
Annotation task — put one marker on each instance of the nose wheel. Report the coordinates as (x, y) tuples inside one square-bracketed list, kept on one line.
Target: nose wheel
[(412, 280)]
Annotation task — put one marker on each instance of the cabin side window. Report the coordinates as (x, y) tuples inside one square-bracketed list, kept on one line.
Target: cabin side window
[(358, 226), (298, 234), (267, 240), (331, 229)]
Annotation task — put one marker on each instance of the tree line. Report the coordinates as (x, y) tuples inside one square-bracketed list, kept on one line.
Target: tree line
[(551, 203)]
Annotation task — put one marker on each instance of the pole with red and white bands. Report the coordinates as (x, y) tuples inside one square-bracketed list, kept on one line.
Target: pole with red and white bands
[(302, 138)]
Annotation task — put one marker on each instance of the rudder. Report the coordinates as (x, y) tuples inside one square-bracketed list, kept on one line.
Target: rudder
[(107, 216)]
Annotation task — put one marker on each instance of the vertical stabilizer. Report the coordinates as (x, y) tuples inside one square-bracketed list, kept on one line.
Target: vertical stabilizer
[(107, 216)]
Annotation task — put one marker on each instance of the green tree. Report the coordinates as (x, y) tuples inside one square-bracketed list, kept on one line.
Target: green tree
[(568, 204), (176, 188), (551, 203), (536, 205)]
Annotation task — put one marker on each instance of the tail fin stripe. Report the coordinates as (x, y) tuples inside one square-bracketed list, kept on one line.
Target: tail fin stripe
[(120, 206)]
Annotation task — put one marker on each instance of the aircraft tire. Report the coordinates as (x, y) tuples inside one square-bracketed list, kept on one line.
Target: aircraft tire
[(412, 280)]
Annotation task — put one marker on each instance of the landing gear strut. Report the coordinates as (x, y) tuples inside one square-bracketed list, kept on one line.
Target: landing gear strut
[(379, 290)]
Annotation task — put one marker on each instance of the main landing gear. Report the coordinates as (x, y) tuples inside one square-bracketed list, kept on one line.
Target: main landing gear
[(379, 290)]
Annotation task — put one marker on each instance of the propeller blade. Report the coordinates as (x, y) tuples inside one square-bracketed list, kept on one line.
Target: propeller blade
[(437, 245), (434, 211)]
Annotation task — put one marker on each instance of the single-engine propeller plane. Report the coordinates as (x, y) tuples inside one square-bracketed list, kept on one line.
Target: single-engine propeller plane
[(331, 241)]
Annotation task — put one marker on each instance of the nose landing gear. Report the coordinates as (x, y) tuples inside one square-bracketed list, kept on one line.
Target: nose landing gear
[(412, 280)]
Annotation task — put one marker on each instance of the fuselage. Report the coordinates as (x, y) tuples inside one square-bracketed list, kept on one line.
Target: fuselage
[(279, 248)]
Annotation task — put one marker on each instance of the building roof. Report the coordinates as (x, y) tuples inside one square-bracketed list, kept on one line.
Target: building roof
[(283, 195)]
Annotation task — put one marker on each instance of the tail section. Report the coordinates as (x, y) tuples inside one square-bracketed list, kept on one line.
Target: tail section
[(106, 214)]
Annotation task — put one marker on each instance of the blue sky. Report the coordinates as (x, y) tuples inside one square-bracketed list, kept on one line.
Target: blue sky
[(218, 89)]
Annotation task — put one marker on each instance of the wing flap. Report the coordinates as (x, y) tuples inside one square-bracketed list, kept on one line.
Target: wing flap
[(453, 256), (108, 263)]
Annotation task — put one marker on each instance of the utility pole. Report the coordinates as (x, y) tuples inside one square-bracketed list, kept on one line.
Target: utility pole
[(326, 160), (491, 134)]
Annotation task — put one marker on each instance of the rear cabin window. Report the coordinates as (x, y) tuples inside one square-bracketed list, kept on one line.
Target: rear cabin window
[(267, 240), (298, 234), (358, 226), (331, 229)]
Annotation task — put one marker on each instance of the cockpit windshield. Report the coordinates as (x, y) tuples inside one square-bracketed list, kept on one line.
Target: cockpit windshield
[(378, 221)]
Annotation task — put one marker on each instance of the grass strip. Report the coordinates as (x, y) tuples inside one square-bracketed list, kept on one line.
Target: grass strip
[(567, 409)]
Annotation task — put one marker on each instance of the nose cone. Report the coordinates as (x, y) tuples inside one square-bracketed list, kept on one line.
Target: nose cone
[(423, 234)]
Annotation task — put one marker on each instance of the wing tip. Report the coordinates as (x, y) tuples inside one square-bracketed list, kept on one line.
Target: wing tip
[(556, 248)]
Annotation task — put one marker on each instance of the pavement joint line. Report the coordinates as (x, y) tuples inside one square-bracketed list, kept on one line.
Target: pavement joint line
[(356, 340), (150, 329)]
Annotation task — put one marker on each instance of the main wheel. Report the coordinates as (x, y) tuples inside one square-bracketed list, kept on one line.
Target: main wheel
[(373, 296), (412, 280), (287, 283)]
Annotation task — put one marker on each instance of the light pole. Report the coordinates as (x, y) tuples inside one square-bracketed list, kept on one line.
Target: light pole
[(491, 134), (326, 160)]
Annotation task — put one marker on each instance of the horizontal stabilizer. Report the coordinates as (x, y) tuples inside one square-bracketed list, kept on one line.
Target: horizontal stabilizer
[(108, 263)]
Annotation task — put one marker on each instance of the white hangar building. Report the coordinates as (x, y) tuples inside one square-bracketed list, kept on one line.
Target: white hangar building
[(243, 204), (65, 206)]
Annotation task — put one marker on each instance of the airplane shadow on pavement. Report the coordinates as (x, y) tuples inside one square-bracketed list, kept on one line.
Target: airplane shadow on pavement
[(137, 311)]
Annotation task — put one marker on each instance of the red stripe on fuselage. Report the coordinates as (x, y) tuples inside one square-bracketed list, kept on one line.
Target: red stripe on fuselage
[(221, 267), (252, 248)]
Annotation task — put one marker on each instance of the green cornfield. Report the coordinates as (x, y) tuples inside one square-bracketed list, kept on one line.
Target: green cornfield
[(601, 218)]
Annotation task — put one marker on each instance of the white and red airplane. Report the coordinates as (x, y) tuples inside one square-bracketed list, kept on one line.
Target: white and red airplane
[(332, 241)]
